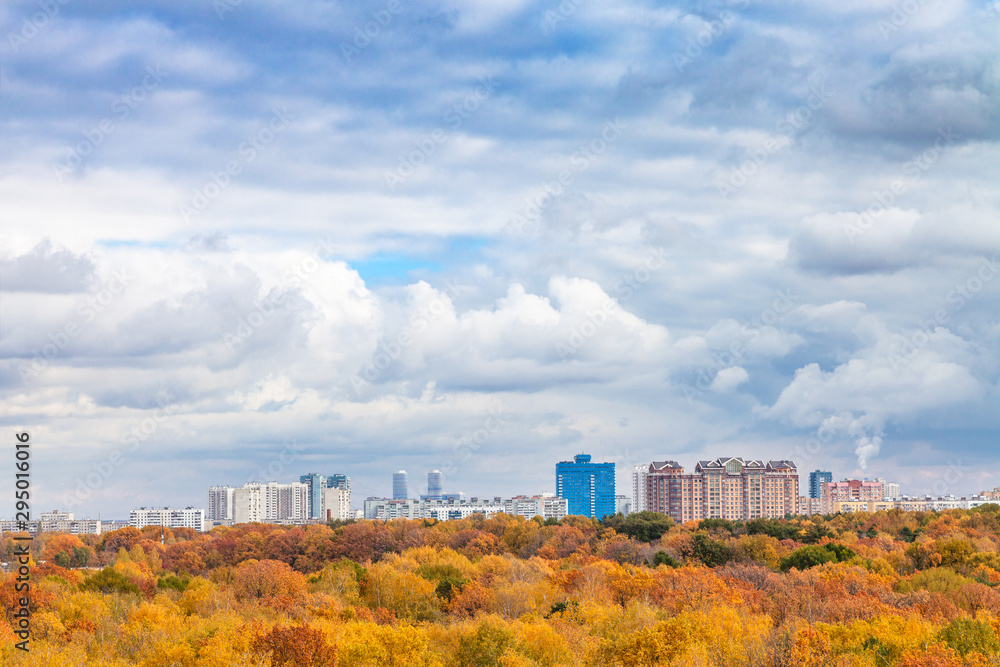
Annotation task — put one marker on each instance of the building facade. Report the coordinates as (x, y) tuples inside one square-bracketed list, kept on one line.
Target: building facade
[(271, 502), (220, 503), (337, 504), (545, 506), (890, 490), (317, 487), (54, 522), (816, 480), (810, 506), (400, 490), (168, 518), (588, 487), (726, 488), (849, 489), (435, 485), (639, 487)]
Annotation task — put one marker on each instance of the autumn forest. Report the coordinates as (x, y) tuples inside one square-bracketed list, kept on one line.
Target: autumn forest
[(885, 589)]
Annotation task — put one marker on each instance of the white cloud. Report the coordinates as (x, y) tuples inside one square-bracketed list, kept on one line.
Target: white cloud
[(729, 378)]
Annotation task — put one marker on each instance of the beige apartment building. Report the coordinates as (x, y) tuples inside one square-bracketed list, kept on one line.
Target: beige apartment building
[(726, 488)]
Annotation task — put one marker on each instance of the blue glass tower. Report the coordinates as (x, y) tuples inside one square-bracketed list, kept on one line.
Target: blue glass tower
[(589, 488), (816, 479), (315, 482), (399, 486)]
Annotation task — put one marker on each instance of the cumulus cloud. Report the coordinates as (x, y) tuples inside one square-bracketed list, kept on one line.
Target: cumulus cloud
[(307, 301), (729, 378), (47, 269)]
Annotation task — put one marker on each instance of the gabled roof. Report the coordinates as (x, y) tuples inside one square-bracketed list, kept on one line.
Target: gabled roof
[(665, 465)]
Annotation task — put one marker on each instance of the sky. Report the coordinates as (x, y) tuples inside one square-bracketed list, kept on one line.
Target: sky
[(249, 240)]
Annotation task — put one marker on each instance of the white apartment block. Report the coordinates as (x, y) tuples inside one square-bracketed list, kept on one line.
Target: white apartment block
[(74, 527), (271, 502), (546, 506), (639, 487), (337, 504), (890, 490), (168, 518), (443, 511), (220, 503)]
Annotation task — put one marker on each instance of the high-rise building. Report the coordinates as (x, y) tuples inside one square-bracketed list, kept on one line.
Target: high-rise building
[(639, 487), (726, 488), (890, 490), (336, 503), (220, 503), (589, 488), (271, 502), (317, 485), (399, 488), (816, 480), (338, 481), (435, 485)]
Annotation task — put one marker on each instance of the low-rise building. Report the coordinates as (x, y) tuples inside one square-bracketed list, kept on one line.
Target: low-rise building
[(849, 489), (546, 506), (167, 517)]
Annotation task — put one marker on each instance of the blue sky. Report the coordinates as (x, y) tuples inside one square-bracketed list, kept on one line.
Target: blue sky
[(251, 239)]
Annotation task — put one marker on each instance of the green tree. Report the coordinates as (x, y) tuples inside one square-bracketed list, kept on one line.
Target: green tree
[(811, 556), (663, 558), (711, 552), (109, 580), (485, 646), (967, 636), (643, 526)]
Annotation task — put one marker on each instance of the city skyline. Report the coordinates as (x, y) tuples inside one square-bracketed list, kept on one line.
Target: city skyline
[(943, 489)]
